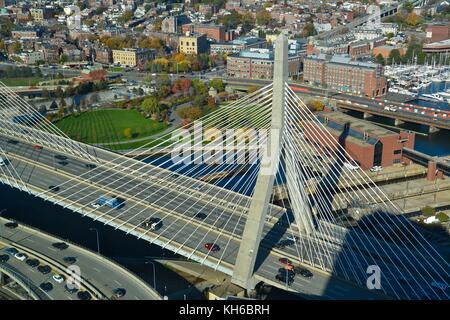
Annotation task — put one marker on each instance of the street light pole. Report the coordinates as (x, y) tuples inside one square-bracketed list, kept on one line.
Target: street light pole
[(98, 241), (154, 274)]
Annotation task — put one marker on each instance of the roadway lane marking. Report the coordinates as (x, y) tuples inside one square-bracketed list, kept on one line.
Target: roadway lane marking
[(28, 239), (117, 282), (136, 298), (96, 269)]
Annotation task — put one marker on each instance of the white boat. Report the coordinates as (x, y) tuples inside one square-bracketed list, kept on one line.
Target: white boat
[(433, 96)]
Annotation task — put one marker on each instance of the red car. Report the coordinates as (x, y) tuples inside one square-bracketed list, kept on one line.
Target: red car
[(37, 147), (212, 247), (285, 261)]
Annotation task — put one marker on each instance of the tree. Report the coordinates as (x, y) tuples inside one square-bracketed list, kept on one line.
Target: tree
[(63, 58), (217, 84), (394, 56), (408, 6), (191, 113), (16, 47), (428, 211), (151, 106), (126, 16), (263, 17), (128, 133), (412, 19), (380, 59), (309, 30)]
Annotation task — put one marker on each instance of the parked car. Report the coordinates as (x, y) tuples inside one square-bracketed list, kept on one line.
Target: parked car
[(11, 225), (20, 256), (60, 245), (212, 247), (44, 269)]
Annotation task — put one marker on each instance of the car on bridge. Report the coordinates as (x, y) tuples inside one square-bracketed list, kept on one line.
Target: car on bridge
[(4, 258), (113, 203), (200, 216), (20, 256), (37, 147), (119, 292), (32, 262), (152, 223), (58, 278), (70, 260), (285, 261), (305, 273), (11, 251), (84, 295), (60, 157), (11, 225), (212, 247), (44, 269), (284, 279), (60, 245), (54, 188), (284, 243), (3, 162), (46, 286)]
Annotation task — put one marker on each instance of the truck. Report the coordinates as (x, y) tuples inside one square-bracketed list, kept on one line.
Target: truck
[(113, 203)]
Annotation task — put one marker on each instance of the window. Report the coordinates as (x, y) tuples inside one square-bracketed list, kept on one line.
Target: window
[(397, 151)]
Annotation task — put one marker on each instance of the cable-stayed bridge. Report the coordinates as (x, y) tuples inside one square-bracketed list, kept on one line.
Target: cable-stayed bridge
[(232, 224)]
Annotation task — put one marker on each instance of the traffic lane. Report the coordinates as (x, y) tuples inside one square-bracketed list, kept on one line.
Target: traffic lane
[(103, 276), (197, 243), (168, 195), (57, 293), (196, 240), (167, 203)]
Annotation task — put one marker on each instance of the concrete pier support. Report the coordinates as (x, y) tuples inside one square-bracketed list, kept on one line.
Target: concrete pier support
[(251, 237), (366, 115)]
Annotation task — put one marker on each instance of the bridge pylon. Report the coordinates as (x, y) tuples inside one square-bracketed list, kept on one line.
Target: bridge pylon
[(243, 273)]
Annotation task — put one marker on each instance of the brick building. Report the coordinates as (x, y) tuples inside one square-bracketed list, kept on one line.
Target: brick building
[(258, 64), (173, 24), (437, 32), (212, 31), (369, 144), (340, 72)]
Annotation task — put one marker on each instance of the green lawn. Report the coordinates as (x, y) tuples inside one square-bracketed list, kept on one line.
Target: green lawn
[(107, 126), (15, 82)]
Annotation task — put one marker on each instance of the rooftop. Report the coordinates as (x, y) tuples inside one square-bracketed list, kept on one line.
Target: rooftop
[(357, 127)]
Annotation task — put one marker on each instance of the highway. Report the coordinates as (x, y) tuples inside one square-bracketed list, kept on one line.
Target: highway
[(101, 273), (181, 233), (404, 111)]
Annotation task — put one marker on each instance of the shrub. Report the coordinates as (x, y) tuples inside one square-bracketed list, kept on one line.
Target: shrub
[(428, 211), (442, 217)]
